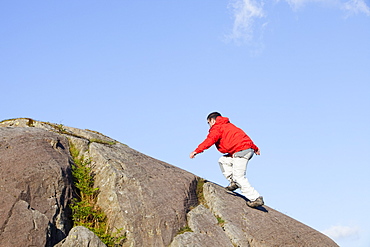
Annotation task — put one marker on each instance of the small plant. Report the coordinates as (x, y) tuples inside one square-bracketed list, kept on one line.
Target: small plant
[(85, 212), (84, 179), (60, 128), (220, 221), (184, 229)]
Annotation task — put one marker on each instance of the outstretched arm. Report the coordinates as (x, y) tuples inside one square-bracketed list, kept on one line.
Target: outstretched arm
[(212, 137)]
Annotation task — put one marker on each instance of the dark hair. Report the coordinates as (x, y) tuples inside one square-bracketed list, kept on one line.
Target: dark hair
[(213, 115)]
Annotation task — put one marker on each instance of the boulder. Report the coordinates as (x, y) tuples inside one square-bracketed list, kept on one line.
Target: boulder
[(257, 227), (80, 236), (35, 187)]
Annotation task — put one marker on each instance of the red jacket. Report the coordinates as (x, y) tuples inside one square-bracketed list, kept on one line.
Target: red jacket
[(227, 137)]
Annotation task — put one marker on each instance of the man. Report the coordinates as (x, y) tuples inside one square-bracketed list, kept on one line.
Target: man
[(238, 149)]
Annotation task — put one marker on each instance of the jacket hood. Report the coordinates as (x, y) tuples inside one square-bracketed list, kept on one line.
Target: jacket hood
[(222, 120)]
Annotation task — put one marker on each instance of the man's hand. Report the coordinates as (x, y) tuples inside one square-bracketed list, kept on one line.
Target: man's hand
[(258, 152), (192, 155)]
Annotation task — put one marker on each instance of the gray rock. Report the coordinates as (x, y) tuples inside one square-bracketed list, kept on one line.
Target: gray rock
[(35, 187), (207, 231), (146, 199), (80, 236), (25, 225), (261, 226)]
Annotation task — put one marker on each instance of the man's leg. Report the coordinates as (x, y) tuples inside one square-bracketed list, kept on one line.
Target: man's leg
[(239, 173), (226, 167)]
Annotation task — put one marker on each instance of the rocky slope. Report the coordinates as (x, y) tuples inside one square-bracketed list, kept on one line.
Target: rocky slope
[(144, 198)]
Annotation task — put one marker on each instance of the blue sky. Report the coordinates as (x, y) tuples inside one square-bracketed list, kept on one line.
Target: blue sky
[(294, 74)]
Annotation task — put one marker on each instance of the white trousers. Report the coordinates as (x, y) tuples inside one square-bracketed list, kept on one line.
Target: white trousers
[(235, 169)]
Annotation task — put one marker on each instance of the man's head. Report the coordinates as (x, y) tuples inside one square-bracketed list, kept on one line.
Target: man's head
[(211, 118)]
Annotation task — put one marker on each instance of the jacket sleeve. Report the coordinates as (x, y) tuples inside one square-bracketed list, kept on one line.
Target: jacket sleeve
[(254, 147), (212, 137)]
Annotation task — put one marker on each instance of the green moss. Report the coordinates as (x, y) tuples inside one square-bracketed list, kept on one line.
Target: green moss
[(59, 128), (200, 195), (102, 141), (220, 221)]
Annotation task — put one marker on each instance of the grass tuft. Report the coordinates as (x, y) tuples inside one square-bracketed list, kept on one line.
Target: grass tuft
[(85, 211), (184, 229), (220, 221)]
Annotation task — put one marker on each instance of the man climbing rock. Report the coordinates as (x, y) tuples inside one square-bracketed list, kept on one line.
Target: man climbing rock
[(238, 149)]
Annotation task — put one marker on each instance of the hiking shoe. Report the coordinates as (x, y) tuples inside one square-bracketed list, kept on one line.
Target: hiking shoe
[(232, 186), (256, 203)]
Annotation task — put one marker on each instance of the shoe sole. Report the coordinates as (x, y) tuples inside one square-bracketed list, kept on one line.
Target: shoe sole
[(255, 203)]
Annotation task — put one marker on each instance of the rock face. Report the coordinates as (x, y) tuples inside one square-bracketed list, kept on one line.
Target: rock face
[(147, 199), (35, 187), (262, 226), (207, 231), (80, 236)]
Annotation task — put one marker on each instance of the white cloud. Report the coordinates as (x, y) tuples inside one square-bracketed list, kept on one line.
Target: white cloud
[(350, 6), (338, 232), (245, 12), (356, 6), (296, 4)]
